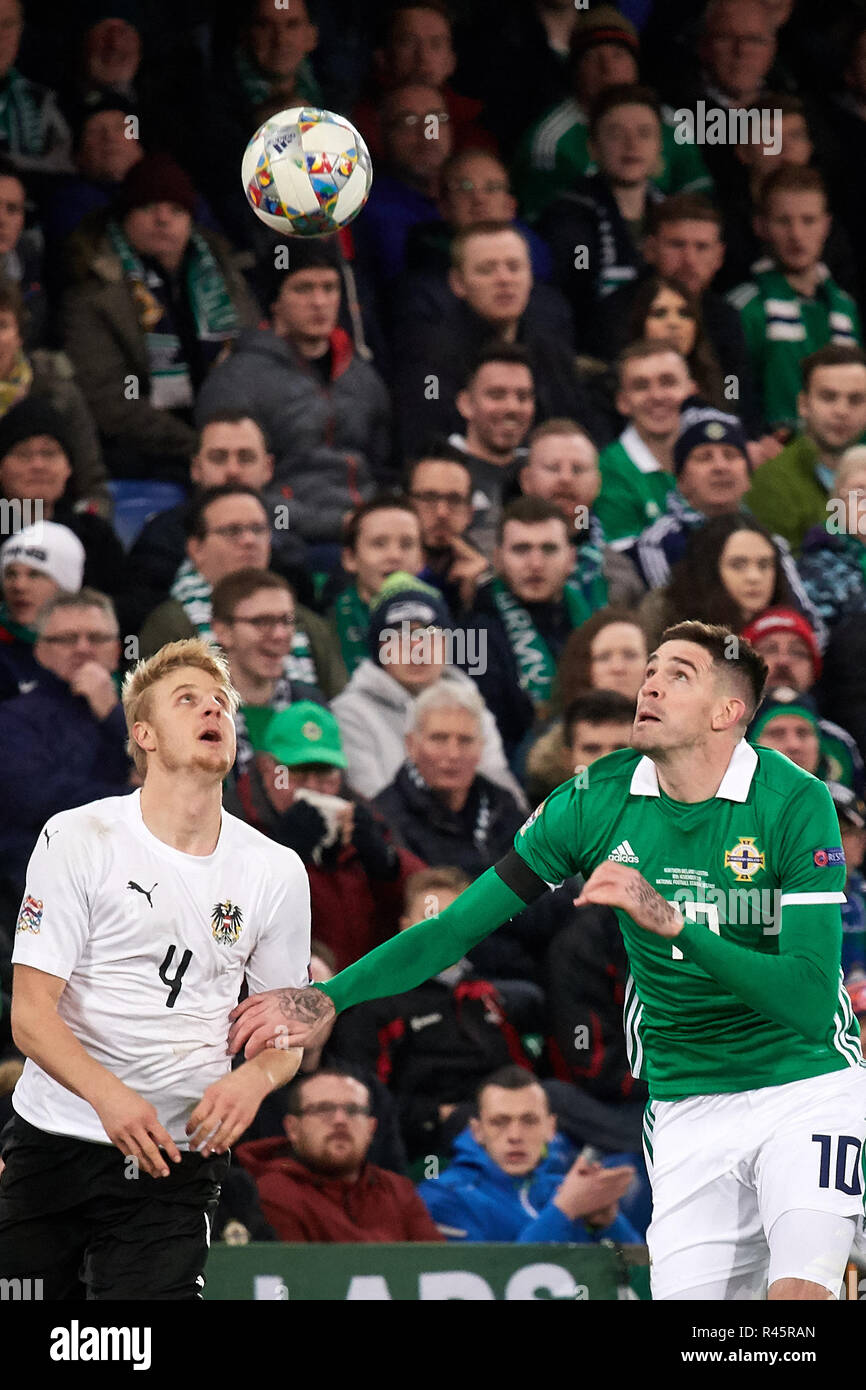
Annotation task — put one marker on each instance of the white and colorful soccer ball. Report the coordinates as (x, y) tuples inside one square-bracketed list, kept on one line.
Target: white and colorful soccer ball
[(306, 172)]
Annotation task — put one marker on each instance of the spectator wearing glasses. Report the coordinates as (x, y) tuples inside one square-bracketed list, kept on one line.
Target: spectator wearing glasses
[(416, 45), (231, 448), (473, 187), (416, 136), (254, 621), (64, 743), (440, 485), (228, 530), (316, 1185)]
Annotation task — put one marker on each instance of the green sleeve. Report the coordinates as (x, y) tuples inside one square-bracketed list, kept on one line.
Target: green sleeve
[(797, 984), (685, 170), (798, 988), (754, 321), (416, 954)]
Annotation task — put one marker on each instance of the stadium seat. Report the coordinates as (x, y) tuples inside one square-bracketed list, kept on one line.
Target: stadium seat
[(136, 500)]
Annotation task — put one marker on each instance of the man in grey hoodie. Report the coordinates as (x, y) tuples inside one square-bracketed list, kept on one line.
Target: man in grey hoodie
[(325, 410)]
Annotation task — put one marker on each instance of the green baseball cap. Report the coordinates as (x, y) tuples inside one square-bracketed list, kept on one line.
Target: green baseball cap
[(304, 733)]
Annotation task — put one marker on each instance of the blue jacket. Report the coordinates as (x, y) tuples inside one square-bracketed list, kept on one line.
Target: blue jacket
[(54, 754), (475, 1200)]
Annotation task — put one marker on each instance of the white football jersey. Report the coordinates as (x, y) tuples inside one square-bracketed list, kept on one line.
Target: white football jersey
[(154, 945)]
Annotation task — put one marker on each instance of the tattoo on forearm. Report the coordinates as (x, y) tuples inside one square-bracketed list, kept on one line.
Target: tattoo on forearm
[(655, 906), (304, 1005)]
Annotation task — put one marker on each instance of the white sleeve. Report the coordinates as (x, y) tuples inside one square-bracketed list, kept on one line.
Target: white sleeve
[(281, 955), (54, 920)]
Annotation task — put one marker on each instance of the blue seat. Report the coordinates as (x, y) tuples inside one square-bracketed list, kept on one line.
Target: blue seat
[(136, 500)]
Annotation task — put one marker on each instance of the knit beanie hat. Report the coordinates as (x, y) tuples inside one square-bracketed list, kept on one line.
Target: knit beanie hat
[(602, 24), (704, 424), (785, 620), (783, 700), (403, 598), (29, 417), (156, 179)]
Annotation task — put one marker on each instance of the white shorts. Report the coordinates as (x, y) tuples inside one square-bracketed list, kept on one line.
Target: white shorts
[(725, 1168)]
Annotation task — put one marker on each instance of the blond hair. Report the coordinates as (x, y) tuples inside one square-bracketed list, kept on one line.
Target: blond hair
[(138, 683)]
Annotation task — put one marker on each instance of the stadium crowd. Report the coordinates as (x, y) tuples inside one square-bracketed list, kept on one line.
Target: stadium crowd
[(436, 486)]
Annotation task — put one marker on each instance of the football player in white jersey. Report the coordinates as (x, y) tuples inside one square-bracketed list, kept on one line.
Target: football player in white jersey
[(142, 916)]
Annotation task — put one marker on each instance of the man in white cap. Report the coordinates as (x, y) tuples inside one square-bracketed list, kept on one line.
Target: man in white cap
[(36, 563)]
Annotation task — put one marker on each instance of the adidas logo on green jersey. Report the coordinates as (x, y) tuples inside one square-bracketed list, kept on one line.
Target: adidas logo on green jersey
[(624, 854)]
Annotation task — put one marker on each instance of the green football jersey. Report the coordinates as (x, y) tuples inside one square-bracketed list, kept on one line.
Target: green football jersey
[(760, 864)]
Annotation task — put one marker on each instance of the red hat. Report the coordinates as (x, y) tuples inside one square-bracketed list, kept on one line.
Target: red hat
[(785, 620)]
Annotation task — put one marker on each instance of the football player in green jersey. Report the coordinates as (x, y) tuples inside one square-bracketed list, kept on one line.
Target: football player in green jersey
[(724, 866)]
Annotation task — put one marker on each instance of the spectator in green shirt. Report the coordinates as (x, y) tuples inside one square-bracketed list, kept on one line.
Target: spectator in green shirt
[(637, 470), (792, 306), (789, 493), (555, 152)]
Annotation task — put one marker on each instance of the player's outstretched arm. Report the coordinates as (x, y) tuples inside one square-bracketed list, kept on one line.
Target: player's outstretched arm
[(303, 1018), (129, 1120)]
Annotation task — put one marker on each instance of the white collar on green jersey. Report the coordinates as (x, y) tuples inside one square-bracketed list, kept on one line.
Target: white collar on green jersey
[(640, 453), (734, 786)]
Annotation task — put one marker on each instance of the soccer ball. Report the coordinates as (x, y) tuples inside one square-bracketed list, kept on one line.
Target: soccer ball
[(306, 172)]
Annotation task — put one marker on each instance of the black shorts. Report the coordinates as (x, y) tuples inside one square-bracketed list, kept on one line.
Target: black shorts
[(70, 1217)]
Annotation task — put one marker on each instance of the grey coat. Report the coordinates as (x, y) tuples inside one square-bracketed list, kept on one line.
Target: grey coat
[(331, 442), (374, 715)]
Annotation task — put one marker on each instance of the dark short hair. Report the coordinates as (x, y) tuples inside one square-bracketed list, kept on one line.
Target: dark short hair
[(382, 502), (234, 588), (530, 511), (511, 1078), (512, 354), (833, 355), (11, 301), (730, 652), (622, 94), (444, 453), (8, 169), (596, 707), (684, 207), (231, 415), (194, 521), (292, 1095), (385, 26)]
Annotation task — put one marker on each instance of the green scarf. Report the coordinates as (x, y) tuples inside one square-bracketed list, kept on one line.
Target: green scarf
[(16, 630), (535, 661), (17, 383), (352, 616), (588, 573), (23, 114), (259, 88), (192, 591), (212, 309)]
